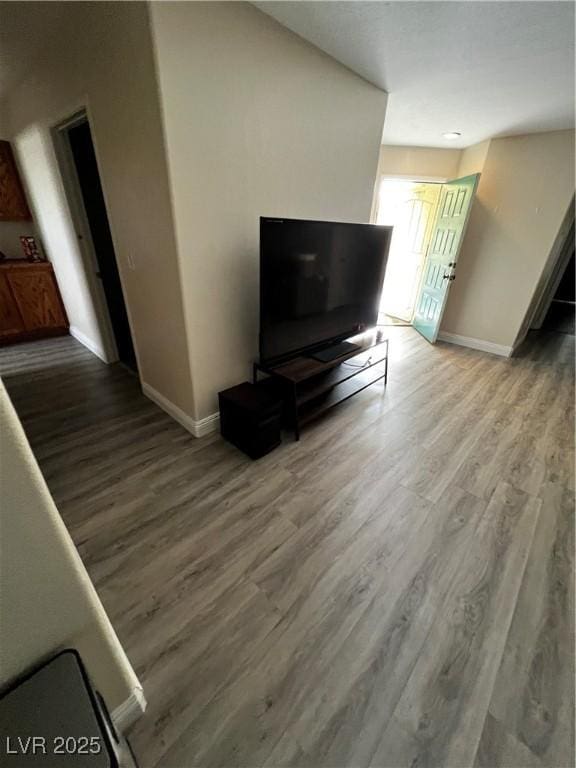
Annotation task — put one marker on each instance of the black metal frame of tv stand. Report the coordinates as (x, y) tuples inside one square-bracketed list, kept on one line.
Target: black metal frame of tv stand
[(311, 387)]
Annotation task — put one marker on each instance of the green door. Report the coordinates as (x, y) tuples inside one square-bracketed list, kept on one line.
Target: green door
[(439, 268)]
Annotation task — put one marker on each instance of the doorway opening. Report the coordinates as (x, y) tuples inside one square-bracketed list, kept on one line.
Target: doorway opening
[(553, 304), (560, 316), (410, 208), (93, 231), (429, 221)]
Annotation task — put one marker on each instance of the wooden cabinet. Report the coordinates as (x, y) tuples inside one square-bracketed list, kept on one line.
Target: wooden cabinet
[(13, 205), (30, 302), (11, 323)]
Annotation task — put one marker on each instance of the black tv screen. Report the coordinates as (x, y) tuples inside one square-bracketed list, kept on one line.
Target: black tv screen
[(320, 282)]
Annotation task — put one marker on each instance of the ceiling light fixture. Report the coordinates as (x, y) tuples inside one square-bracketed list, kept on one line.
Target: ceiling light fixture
[(452, 135)]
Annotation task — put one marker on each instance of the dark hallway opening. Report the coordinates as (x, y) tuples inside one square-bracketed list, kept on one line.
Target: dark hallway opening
[(561, 316), (84, 158)]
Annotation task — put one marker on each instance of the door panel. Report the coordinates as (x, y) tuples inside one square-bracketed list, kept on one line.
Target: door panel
[(439, 271), (10, 321), (37, 298)]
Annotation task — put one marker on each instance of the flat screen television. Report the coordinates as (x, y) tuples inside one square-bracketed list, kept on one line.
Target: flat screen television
[(320, 283)]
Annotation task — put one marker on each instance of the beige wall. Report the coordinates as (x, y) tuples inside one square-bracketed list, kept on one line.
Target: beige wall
[(472, 159), (47, 601), (526, 185), (419, 162), (104, 62), (257, 122)]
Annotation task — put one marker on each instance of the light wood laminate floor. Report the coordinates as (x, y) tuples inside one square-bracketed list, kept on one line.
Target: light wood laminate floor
[(394, 590)]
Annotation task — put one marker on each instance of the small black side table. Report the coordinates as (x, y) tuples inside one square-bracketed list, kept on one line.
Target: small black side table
[(53, 718), (250, 417)]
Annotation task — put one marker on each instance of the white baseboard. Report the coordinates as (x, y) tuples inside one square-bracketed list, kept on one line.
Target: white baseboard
[(198, 428), (207, 425), (129, 711), (480, 344), (88, 343)]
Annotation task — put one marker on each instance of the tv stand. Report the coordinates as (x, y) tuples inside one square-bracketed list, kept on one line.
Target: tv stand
[(310, 386), (334, 351)]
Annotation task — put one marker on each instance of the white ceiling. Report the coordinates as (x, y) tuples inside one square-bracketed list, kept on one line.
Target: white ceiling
[(484, 69)]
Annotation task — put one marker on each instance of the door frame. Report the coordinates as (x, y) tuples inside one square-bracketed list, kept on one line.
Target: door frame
[(556, 263), (81, 227), (562, 251), (555, 279)]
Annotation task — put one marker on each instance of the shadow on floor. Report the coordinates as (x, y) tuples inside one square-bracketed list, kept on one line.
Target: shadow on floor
[(549, 347), (560, 317)]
